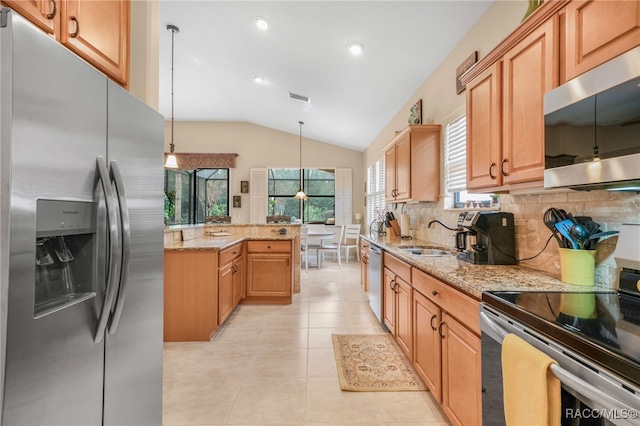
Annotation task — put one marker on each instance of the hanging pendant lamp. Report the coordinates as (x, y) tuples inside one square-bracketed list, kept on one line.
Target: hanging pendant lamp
[(171, 162), (301, 195)]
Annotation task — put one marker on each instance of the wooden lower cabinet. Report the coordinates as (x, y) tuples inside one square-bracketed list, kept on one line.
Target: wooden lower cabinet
[(190, 295), (229, 281), (269, 272), (397, 302), (447, 351), (238, 280), (364, 266), (461, 373), (427, 343)]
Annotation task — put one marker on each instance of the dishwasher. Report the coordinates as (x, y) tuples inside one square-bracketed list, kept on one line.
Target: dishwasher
[(375, 281)]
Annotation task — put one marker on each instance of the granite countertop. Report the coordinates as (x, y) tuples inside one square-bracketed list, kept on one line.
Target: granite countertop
[(208, 242), (470, 278)]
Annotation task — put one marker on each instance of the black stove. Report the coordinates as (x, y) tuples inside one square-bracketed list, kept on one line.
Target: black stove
[(603, 326)]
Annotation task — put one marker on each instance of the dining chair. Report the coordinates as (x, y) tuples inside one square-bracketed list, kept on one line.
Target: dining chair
[(315, 227), (333, 246), (306, 246), (351, 240)]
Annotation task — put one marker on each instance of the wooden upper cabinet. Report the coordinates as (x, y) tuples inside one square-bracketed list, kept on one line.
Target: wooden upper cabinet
[(412, 165), (484, 141), (529, 70), (599, 30), (43, 13), (99, 32)]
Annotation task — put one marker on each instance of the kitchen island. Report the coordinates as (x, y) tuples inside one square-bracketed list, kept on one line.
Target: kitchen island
[(209, 270)]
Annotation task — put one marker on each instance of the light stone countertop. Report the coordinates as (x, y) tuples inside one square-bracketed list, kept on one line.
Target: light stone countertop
[(468, 277), (220, 243)]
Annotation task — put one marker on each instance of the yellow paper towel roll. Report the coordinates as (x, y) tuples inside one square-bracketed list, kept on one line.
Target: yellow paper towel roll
[(405, 225)]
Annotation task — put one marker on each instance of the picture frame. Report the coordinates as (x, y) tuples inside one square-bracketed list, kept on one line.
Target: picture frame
[(237, 201), (244, 186), (464, 67)]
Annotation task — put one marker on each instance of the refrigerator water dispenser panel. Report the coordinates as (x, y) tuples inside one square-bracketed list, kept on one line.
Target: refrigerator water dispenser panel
[(65, 255)]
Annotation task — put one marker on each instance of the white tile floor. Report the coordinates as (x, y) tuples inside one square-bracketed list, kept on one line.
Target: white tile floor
[(275, 365)]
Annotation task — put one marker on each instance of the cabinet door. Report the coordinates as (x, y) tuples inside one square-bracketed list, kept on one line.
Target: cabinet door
[(484, 129), (269, 275), (43, 13), (427, 343), (404, 318), (225, 292), (389, 301), (98, 31), (390, 174), (530, 69), (364, 270), (461, 374), (238, 281), (403, 169), (599, 30)]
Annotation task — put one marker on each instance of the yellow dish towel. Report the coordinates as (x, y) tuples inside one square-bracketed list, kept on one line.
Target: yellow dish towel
[(531, 391)]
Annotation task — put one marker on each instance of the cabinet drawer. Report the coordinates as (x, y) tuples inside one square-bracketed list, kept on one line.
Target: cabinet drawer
[(400, 268), (450, 300), (269, 246), (227, 255)]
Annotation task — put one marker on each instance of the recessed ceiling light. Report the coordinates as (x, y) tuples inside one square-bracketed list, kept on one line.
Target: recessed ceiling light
[(355, 48), (258, 79), (262, 23)]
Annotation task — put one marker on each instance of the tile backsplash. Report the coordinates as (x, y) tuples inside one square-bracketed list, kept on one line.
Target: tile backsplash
[(609, 209)]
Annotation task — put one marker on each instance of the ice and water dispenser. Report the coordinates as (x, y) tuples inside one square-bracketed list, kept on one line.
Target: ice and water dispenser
[(65, 254)]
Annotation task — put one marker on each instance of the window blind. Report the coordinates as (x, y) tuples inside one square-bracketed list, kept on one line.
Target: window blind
[(375, 190), (455, 151)]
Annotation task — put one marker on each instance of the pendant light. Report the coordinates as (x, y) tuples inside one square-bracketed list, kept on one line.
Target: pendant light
[(301, 195), (171, 162)]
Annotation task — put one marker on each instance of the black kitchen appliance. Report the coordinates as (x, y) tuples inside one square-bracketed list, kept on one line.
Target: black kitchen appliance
[(490, 238)]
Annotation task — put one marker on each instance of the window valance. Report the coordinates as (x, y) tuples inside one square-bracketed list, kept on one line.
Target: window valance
[(192, 161)]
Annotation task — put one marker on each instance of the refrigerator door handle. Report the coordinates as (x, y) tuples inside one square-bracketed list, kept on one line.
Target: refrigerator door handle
[(115, 253), (126, 246)]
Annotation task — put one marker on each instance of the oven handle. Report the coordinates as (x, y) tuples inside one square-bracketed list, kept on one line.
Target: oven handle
[(569, 379)]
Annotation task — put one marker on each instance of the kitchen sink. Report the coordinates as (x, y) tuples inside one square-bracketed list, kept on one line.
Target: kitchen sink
[(422, 251)]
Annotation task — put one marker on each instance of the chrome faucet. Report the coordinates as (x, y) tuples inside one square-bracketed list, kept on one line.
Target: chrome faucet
[(443, 224)]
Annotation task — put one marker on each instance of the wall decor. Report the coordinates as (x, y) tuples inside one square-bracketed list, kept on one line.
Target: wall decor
[(237, 201), (464, 67), (415, 116), (244, 186)]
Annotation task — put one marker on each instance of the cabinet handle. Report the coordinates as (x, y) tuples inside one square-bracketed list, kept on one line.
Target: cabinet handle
[(491, 175), (392, 284), (440, 329), (433, 327), (395, 288), (74, 34), (434, 292), (53, 13), (502, 167)]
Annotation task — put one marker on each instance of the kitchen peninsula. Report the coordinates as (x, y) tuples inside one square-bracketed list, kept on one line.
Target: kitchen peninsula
[(210, 269)]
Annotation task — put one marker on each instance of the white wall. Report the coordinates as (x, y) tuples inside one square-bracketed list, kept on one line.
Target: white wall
[(259, 146)]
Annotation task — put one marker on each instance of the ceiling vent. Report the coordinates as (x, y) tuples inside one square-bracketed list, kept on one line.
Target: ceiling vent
[(299, 97)]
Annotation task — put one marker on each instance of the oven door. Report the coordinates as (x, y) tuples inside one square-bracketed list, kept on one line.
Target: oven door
[(590, 394)]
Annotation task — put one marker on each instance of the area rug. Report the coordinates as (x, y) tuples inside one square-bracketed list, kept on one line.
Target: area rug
[(373, 363)]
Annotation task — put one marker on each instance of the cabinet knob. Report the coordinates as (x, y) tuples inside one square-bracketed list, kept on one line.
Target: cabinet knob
[(75, 33), (504, 161), (434, 292), (268, 247), (53, 12), (235, 252)]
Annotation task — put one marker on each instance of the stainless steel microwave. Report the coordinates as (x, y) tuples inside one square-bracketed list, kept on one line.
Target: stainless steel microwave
[(592, 128)]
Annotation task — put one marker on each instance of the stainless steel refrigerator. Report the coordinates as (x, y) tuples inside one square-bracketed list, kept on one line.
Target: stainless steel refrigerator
[(81, 240)]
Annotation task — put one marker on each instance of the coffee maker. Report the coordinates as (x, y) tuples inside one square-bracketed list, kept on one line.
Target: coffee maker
[(489, 238)]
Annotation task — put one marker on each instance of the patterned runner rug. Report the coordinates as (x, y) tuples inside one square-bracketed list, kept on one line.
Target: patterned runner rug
[(373, 363)]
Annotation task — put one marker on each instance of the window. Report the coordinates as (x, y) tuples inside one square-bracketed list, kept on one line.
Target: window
[(191, 195), (318, 184), (455, 164), (376, 204)]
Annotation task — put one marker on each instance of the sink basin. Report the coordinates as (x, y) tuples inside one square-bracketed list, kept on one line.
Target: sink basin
[(428, 252)]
